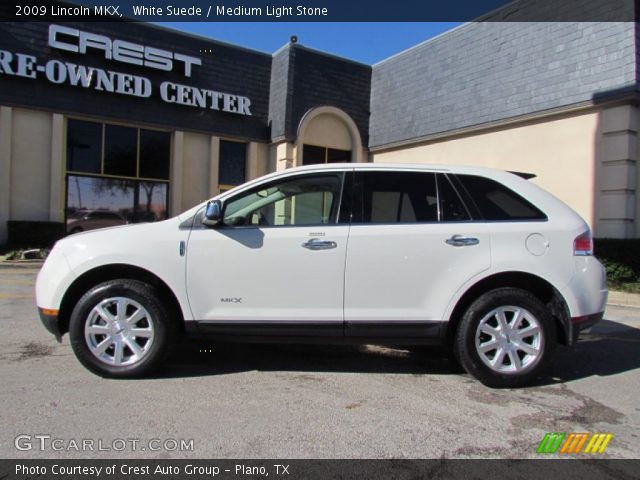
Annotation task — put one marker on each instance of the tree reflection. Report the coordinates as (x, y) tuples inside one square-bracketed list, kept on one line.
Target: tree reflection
[(85, 194)]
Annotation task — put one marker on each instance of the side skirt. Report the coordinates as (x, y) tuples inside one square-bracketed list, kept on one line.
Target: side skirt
[(387, 333)]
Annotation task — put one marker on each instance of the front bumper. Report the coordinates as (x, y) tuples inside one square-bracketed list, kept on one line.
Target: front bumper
[(50, 321)]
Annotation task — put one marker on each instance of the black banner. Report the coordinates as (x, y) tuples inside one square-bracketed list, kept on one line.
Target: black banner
[(320, 10), (601, 469)]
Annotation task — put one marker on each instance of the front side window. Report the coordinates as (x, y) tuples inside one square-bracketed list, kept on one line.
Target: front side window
[(295, 201), (498, 203)]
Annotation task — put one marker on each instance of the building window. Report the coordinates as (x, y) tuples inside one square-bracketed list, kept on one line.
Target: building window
[(232, 164), (115, 175), (313, 155)]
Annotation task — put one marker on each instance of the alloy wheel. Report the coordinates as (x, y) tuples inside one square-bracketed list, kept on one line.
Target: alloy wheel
[(119, 331), (509, 340)]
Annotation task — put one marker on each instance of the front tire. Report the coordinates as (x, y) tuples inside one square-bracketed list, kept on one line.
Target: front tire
[(505, 338), (121, 329)]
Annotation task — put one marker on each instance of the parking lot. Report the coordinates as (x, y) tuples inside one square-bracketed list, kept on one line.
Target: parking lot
[(306, 402)]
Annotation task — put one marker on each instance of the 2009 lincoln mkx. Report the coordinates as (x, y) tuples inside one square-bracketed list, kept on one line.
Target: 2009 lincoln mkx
[(481, 261)]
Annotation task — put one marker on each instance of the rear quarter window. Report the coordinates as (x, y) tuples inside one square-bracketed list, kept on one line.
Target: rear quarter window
[(497, 202)]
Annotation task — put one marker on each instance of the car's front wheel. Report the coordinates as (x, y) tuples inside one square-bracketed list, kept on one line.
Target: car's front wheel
[(505, 338), (121, 329)]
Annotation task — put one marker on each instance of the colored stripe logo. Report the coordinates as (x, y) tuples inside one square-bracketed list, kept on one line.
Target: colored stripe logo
[(573, 443)]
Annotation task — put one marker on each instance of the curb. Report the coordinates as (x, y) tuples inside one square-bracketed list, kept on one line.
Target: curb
[(623, 299), (32, 264)]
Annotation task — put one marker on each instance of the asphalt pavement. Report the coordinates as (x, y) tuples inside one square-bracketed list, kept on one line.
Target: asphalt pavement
[(270, 401)]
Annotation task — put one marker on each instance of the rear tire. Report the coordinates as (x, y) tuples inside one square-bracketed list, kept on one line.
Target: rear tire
[(505, 338), (121, 329)]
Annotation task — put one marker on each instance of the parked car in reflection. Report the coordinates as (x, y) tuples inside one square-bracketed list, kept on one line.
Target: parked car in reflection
[(90, 220)]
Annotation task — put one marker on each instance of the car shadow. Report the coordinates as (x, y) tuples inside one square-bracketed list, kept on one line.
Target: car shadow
[(609, 349), (193, 359)]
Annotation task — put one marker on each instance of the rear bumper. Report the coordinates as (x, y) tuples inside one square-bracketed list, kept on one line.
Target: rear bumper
[(50, 322), (583, 322)]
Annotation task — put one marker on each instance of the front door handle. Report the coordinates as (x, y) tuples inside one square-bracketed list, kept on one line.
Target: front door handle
[(317, 244), (460, 241)]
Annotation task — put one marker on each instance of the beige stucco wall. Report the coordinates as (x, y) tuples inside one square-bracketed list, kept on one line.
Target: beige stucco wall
[(195, 169), (561, 152), (195, 164), (327, 130), (30, 165)]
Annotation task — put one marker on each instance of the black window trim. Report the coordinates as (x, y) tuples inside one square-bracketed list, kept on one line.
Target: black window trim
[(446, 178), (103, 124)]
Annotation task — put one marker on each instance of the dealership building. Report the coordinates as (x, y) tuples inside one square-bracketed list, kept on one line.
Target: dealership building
[(139, 122)]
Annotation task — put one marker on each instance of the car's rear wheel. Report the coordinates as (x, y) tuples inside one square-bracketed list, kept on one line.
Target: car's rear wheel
[(505, 338), (121, 329)]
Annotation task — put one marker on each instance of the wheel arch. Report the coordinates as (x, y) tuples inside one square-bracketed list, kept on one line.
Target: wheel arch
[(534, 284), (115, 271)]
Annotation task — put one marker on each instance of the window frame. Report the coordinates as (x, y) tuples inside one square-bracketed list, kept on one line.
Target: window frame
[(326, 154), (224, 187), (67, 173), (101, 173)]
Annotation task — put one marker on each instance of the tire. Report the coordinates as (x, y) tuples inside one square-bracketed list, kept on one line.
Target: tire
[(489, 347), (109, 345)]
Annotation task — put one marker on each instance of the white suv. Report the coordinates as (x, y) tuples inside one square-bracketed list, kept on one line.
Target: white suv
[(479, 260)]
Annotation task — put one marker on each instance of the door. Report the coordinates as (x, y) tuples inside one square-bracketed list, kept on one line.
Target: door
[(412, 245), (275, 265)]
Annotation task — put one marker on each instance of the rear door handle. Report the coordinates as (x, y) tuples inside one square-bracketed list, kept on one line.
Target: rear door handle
[(460, 241), (317, 244)]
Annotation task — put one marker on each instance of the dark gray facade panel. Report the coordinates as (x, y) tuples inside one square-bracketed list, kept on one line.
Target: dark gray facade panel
[(226, 69), (490, 71), (567, 10), (280, 94), (320, 79)]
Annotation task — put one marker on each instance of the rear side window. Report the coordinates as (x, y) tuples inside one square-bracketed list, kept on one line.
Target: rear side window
[(396, 197), (406, 197), (498, 203)]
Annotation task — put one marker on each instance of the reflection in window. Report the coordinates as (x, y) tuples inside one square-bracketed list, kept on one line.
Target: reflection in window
[(132, 157), (233, 159), (120, 150), (94, 202), (155, 147), (84, 146), (128, 151)]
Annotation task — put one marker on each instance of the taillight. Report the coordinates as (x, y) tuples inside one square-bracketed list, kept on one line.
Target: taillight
[(583, 244)]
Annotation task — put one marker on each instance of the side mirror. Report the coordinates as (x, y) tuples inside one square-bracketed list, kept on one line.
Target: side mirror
[(213, 213)]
